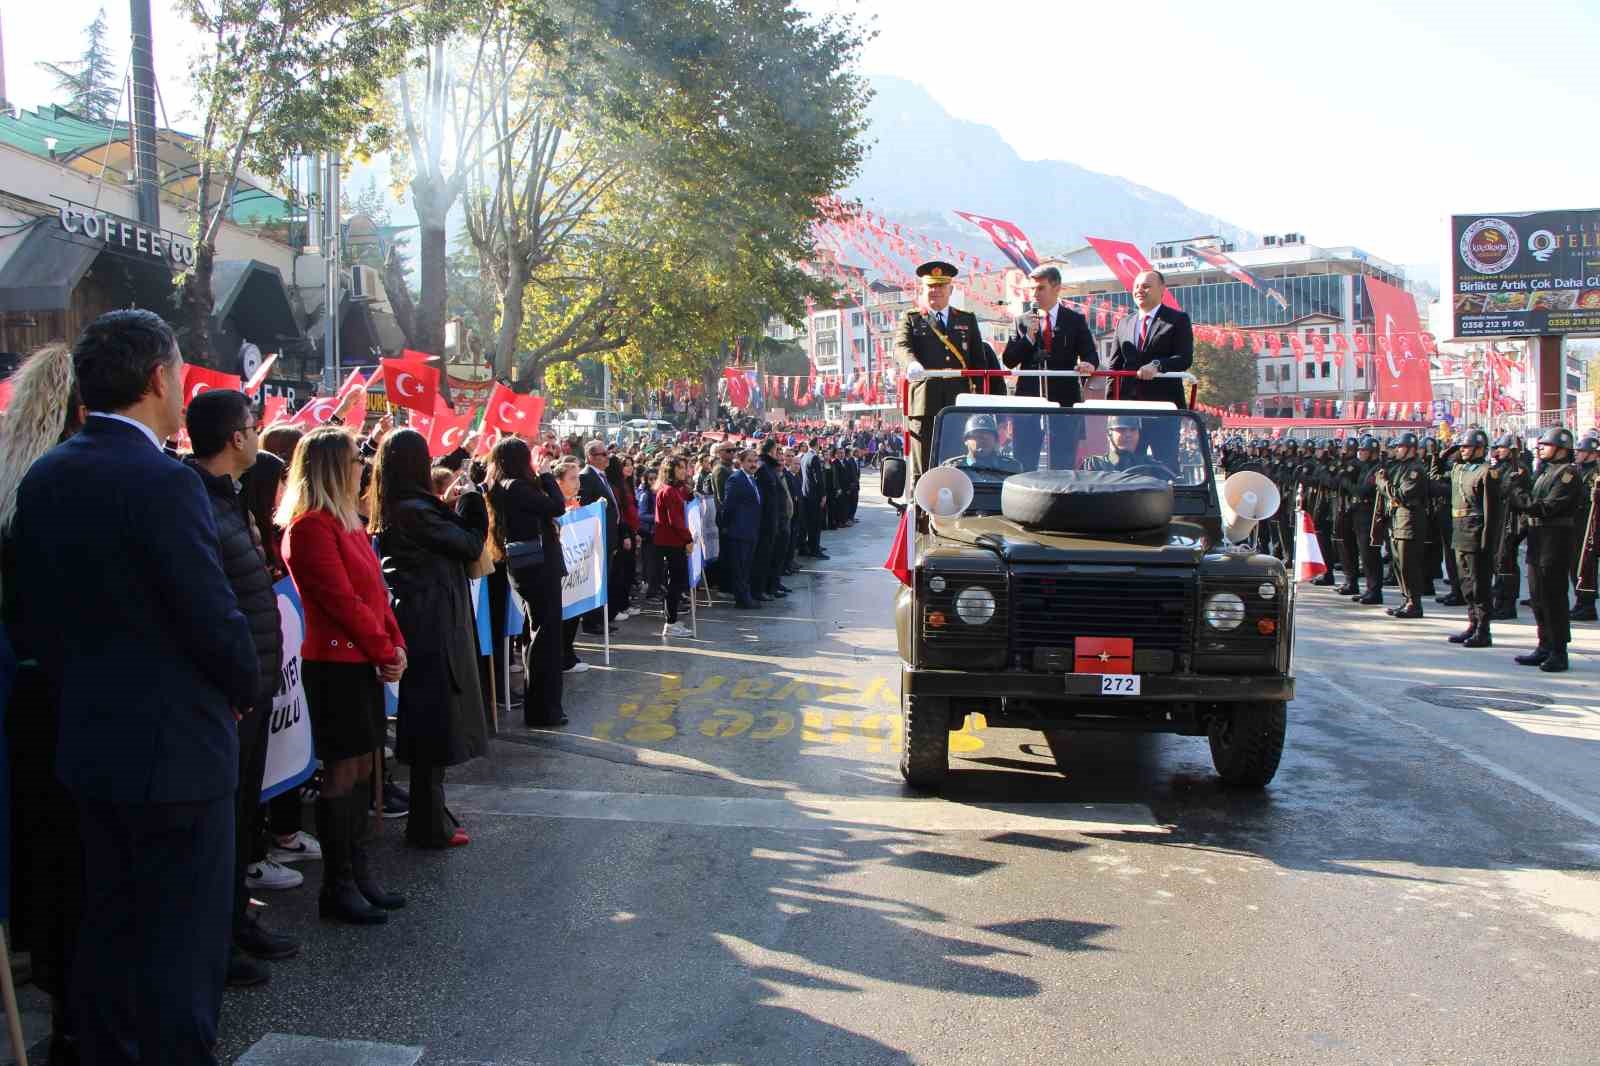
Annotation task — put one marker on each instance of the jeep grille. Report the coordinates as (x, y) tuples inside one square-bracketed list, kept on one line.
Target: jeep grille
[(1052, 609)]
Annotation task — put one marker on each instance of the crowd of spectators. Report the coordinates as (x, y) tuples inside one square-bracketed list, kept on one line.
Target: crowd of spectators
[(138, 597)]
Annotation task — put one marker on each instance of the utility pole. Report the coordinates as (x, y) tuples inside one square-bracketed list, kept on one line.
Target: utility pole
[(331, 239), (142, 58)]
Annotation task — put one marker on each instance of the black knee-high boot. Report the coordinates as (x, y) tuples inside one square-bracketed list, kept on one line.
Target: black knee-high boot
[(360, 820), (340, 899)]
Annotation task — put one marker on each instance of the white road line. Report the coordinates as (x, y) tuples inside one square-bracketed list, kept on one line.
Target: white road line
[(287, 1049), (805, 811), (1510, 776)]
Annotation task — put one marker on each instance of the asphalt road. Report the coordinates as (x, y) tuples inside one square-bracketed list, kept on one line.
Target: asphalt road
[(716, 863)]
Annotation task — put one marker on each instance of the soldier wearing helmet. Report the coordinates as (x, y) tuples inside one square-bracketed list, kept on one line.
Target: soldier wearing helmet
[(1507, 458), (1404, 486), (1474, 518), (1437, 466), (1343, 480), (1123, 451), (982, 438), (1549, 508), (1369, 537), (1585, 461)]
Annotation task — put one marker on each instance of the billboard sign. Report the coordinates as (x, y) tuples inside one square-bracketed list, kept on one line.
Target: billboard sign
[(1525, 274)]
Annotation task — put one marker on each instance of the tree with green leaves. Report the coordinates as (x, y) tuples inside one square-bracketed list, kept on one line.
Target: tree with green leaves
[(274, 79), (89, 82), (1227, 375)]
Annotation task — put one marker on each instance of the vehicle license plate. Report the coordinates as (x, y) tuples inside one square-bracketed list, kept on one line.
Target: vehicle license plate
[(1119, 684)]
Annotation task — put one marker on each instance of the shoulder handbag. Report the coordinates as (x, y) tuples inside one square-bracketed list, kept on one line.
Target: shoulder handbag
[(524, 553)]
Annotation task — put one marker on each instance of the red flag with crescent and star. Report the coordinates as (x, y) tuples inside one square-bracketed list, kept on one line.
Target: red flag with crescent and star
[(197, 379), (1127, 263), (1011, 241), (446, 431), (410, 384), (512, 412)]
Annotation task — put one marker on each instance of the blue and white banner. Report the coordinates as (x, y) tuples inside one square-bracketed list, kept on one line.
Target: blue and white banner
[(697, 556), (290, 758), (583, 546)]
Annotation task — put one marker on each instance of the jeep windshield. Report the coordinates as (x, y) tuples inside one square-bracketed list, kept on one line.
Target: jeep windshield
[(991, 444)]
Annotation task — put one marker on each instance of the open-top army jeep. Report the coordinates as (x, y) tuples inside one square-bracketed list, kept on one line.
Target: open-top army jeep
[(1100, 595)]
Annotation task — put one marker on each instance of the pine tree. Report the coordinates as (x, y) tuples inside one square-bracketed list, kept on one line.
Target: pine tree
[(87, 81)]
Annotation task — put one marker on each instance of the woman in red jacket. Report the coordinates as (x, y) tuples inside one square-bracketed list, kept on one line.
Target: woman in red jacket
[(672, 537), (352, 645)]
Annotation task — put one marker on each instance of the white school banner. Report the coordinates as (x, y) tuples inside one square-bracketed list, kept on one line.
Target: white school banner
[(708, 534), (583, 547), (290, 759), (697, 558)]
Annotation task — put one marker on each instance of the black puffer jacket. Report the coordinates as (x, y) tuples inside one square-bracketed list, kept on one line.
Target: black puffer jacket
[(246, 566)]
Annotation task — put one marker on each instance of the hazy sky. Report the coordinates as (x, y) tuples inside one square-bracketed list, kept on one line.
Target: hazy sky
[(1360, 122)]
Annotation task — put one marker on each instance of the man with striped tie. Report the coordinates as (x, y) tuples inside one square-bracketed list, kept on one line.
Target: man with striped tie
[(1155, 339)]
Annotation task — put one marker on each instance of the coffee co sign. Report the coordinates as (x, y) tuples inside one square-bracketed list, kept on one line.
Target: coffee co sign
[(123, 235)]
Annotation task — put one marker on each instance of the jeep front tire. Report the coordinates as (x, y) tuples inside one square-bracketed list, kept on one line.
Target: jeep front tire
[(1247, 742), (925, 756)]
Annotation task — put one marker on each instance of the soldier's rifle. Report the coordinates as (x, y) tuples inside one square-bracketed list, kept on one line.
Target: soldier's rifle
[(1586, 559)]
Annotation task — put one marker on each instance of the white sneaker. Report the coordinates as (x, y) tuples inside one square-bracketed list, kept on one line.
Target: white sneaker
[(302, 847), (675, 629), (271, 875), (577, 668), (623, 616)]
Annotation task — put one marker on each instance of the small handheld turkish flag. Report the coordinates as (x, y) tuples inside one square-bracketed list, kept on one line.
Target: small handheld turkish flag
[(511, 413), (1102, 655), (446, 431), (197, 379), (411, 384)]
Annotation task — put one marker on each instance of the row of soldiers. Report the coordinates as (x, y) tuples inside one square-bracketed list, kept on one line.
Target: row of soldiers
[(1467, 506)]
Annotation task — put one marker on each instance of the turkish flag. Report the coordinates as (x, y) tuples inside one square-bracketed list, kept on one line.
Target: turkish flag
[(1127, 263), (511, 412), (1011, 241), (274, 409), (1102, 655), (197, 379), (316, 412), (257, 379), (350, 402), (411, 384), (446, 430)]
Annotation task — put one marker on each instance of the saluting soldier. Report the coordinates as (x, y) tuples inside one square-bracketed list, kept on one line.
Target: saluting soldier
[(1549, 508), (1474, 517), (1508, 458), (940, 338), (1405, 484), (1589, 469)]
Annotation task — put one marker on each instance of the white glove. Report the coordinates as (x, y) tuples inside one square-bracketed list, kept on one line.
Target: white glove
[(914, 371)]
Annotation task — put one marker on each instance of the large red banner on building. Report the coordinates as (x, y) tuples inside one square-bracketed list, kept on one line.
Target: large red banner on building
[(1400, 366), (1127, 263)]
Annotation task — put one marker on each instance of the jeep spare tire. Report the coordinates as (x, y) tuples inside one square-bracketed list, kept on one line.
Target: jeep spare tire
[(1086, 501)]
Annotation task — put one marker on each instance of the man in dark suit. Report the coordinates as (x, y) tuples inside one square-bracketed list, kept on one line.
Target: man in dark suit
[(1155, 339), (942, 338), (1053, 338), (121, 597), (592, 486), (772, 546), (813, 490), (741, 529)]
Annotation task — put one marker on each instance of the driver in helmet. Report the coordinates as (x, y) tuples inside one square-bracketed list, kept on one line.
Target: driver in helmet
[(982, 438), (1124, 453)]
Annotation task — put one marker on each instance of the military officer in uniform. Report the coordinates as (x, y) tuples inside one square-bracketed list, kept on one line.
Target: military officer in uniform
[(1474, 517), (1125, 451), (940, 338), (1508, 575), (1319, 501), (1549, 509), (1405, 485), (1584, 461), (1345, 475), (1369, 534), (982, 438)]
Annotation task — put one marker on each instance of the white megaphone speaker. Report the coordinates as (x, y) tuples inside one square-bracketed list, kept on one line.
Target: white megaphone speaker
[(944, 492), (1247, 498)]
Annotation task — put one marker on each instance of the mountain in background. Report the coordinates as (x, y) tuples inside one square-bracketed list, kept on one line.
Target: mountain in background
[(922, 165)]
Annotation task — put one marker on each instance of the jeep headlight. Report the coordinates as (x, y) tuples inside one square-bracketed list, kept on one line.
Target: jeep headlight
[(975, 606), (1224, 611)]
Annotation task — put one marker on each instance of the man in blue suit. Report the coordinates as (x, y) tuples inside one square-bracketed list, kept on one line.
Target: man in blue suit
[(740, 518), (123, 601)]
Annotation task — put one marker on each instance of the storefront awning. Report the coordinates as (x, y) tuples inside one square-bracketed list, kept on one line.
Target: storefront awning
[(43, 271), (252, 293)]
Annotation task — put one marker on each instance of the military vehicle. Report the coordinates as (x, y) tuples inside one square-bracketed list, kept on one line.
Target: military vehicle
[(1113, 594)]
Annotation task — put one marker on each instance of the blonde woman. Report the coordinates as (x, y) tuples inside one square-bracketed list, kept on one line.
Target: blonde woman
[(45, 909), (352, 645)]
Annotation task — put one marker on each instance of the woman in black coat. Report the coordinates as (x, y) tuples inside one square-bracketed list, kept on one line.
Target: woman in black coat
[(425, 548), (523, 509)]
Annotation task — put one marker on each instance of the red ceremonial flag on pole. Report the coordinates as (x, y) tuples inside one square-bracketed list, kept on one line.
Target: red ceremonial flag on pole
[(1127, 263), (197, 379), (1307, 551), (411, 384), (902, 551)]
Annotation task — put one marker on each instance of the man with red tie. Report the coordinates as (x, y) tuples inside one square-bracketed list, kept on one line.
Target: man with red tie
[(1054, 338), (1155, 339)]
